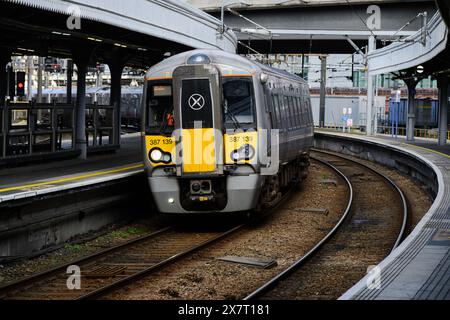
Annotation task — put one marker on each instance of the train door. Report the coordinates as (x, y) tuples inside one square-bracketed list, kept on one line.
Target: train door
[(198, 119)]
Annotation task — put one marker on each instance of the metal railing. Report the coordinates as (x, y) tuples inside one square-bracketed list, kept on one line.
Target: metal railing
[(100, 129), (29, 128), (418, 133), (353, 129)]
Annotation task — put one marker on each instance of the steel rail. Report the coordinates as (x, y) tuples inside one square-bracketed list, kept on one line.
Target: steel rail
[(405, 217), (265, 288), (274, 281), (19, 284), (62, 268), (134, 277), (113, 286)]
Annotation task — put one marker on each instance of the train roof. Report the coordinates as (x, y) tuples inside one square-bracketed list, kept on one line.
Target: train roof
[(278, 72), (223, 59)]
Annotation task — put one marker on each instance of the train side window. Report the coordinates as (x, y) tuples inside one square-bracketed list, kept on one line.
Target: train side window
[(276, 108), (309, 110), (298, 111), (305, 111), (279, 112), (273, 115), (300, 108), (287, 114), (300, 115), (307, 107), (288, 123), (292, 112), (306, 115)]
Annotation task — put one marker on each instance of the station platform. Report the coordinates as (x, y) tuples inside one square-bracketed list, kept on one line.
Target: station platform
[(38, 179), (419, 269), (420, 143)]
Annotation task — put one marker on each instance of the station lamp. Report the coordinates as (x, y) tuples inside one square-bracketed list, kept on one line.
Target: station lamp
[(420, 69)]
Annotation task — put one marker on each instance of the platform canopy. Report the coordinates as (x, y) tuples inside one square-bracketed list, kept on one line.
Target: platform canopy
[(430, 51), (142, 29), (214, 4), (444, 7)]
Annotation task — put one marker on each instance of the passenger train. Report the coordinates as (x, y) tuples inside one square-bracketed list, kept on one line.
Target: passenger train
[(223, 134)]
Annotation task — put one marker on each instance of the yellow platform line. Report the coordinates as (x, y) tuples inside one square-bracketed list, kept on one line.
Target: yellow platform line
[(429, 150), (74, 178)]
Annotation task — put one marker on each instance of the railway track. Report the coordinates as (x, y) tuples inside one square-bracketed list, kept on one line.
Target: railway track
[(108, 270), (339, 260), (114, 267)]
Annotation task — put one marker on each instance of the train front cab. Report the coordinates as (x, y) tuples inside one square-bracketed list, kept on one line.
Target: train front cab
[(201, 141)]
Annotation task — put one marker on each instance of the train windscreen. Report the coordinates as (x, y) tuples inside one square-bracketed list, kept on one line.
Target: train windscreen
[(160, 109), (238, 103)]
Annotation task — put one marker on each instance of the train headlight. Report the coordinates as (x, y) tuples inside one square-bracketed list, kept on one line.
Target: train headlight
[(167, 158), (156, 155), (246, 152), (235, 156), (199, 58)]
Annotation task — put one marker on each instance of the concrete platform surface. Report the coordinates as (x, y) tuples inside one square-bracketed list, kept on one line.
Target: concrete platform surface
[(420, 268), (430, 144), (29, 181)]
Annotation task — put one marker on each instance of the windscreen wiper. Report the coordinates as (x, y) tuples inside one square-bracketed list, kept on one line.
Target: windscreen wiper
[(233, 118)]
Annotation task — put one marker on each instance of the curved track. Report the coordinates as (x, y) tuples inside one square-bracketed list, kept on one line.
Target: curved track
[(314, 264)]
